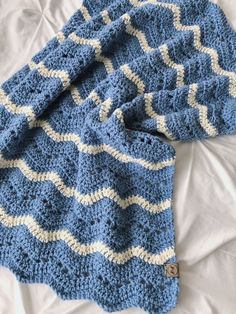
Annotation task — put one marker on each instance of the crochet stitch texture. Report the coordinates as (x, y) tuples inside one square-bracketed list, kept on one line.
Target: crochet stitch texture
[(86, 164)]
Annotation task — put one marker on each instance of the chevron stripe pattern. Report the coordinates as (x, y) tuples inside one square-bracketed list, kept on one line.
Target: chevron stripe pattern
[(203, 116), (137, 33), (134, 78), (15, 109), (160, 119), (86, 161), (84, 199), (178, 67), (48, 73)]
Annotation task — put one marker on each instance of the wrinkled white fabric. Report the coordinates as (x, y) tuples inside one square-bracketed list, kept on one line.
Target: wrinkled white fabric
[(204, 197)]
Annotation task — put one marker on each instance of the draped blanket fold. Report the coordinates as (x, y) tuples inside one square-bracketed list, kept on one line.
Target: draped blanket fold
[(86, 161)]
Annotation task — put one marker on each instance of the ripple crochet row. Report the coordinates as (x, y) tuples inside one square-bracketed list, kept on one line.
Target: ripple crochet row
[(86, 161)]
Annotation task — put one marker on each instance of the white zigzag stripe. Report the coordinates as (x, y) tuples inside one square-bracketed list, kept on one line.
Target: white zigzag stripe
[(107, 63), (75, 95), (79, 100), (95, 97), (97, 149), (133, 77), (205, 123), (95, 43), (106, 17), (88, 149), (197, 40), (85, 199), (178, 67), (119, 114), (163, 49), (60, 37), (105, 107), (13, 108), (28, 110), (160, 119), (45, 236), (44, 71), (62, 74), (137, 33), (84, 11)]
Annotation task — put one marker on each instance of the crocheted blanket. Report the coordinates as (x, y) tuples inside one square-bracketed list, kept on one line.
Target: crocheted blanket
[(86, 161)]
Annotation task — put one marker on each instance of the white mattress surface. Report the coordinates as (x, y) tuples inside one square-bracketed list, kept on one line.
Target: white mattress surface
[(204, 194)]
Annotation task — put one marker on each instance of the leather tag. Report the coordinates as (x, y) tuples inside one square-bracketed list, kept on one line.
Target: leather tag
[(172, 270)]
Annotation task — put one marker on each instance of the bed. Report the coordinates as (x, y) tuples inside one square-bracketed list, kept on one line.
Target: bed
[(204, 193)]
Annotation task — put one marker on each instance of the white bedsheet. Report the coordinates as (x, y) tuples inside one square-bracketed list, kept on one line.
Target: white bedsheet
[(204, 197)]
